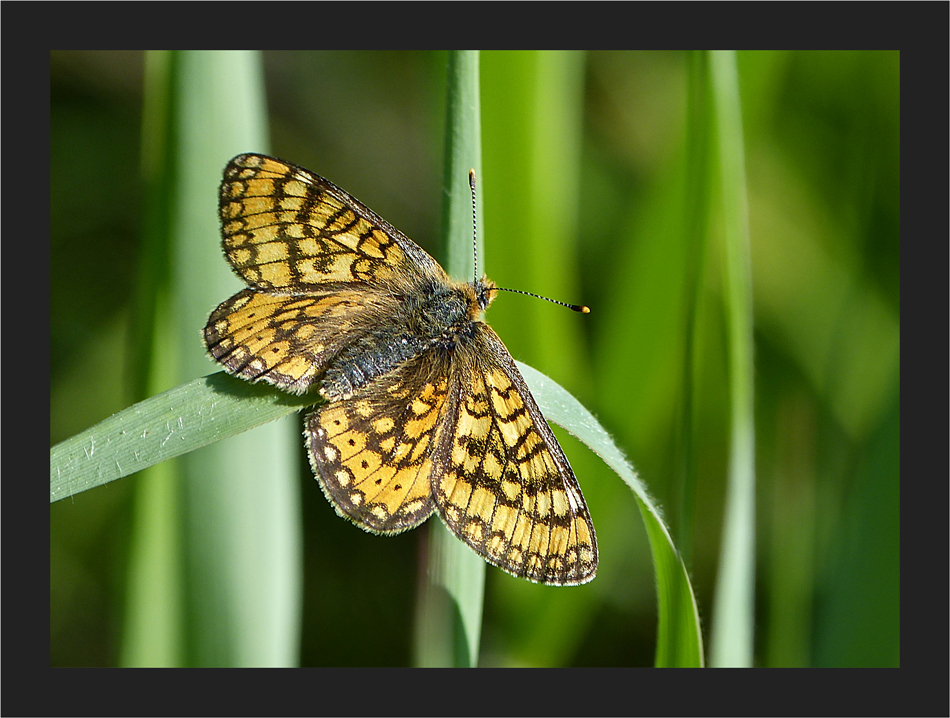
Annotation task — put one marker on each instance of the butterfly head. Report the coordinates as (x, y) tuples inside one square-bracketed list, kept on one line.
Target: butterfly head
[(485, 292)]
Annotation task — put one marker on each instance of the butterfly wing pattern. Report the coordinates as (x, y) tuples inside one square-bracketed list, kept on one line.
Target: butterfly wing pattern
[(422, 407)]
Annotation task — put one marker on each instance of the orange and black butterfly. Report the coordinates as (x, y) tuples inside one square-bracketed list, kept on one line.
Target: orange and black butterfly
[(422, 407)]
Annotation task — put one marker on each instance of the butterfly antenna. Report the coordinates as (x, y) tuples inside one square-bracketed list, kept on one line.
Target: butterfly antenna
[(583, 309), (471, 184)]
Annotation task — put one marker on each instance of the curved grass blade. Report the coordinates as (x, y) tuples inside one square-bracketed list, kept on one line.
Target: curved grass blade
[(217, 406), (679, 638), (162, 427)]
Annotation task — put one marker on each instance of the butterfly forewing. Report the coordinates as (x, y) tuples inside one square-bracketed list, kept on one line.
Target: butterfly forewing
[(286, 229)]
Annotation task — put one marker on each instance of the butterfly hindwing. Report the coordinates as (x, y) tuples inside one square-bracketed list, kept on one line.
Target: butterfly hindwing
[(371, 452), (500, 480)]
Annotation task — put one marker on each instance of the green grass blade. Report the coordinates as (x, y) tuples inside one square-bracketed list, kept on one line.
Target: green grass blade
[(242, 533), (696, 214), (218, 406), (153, 616), (733, 611), (162, 427), (449, 616), (233, 523)]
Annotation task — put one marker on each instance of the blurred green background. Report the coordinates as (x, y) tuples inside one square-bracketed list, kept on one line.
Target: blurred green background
[(822, 153)]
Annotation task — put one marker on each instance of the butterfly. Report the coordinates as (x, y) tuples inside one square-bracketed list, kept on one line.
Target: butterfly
[(421, 407)]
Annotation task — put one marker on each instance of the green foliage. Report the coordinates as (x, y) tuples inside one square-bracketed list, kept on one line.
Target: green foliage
[(597, 190), (173, 423)]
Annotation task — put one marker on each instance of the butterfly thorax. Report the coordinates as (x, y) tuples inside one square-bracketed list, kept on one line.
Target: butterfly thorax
[(436, 319)]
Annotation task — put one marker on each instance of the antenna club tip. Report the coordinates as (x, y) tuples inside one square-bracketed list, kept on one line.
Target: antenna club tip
[(471, 177), (584, 309)]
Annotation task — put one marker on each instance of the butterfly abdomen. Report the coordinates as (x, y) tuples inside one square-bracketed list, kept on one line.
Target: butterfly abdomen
[(371, 356)]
